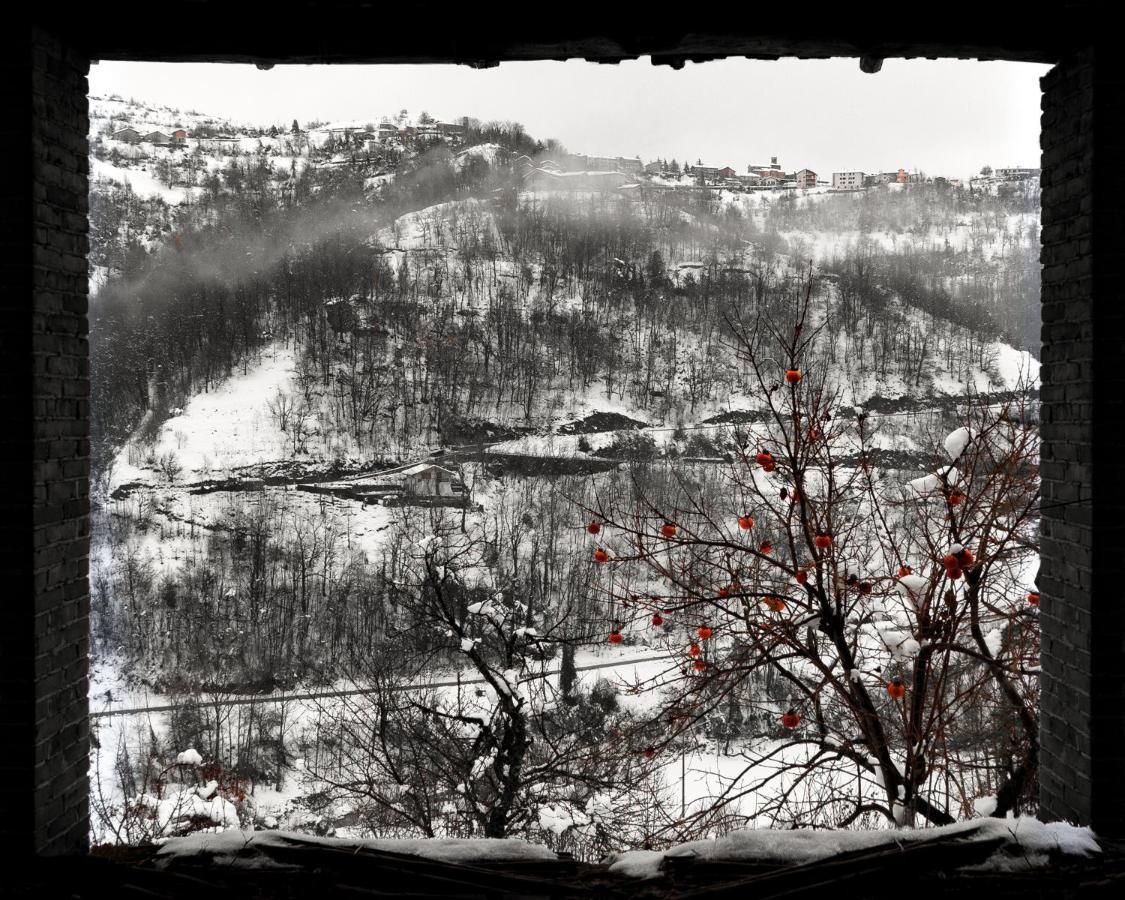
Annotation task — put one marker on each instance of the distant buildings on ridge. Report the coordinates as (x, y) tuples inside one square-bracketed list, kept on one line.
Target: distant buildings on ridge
[(583, 172)]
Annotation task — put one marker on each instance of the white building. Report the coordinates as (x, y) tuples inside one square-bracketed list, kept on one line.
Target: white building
[(1016, 173), (847, 181), (428, 480)]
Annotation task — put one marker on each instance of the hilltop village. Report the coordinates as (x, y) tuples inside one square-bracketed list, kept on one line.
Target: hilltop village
[(387, 142)]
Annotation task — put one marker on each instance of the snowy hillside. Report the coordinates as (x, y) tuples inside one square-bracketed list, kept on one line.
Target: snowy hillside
[(407, 448)]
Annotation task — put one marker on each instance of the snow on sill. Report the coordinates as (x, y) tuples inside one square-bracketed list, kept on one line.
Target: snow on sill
[(249, 849), (1031, 838)]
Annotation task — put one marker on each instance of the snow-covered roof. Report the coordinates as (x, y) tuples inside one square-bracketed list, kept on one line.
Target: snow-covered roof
[(343, 126), (425, 467)]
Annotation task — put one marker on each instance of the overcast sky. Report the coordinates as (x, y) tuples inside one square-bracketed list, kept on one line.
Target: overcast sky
[(942, 117)]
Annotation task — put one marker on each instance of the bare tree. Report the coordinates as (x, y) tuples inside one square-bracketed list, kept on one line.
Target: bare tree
[(892, 620)]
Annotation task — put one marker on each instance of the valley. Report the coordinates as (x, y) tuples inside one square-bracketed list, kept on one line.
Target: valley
[(367, 412)]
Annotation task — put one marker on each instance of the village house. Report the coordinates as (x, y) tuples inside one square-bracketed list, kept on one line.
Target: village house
[(601, 164), (806, 178), (727, 172), (773, 170), (451, 129), (577, 162), (543, 178), (158, 137), (1016, 173), (847, 181), (705, 172), (348, 132), (128, 135), (179, 136), (612, 164), (429, 480)]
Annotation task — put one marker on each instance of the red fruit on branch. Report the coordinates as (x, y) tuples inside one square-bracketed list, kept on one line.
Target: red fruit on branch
[(615, 637), (766, 548), (954, 573), (896, 688), (956, 498), (950, 561), (668, 530), (903, 571), (600, 556), (694, 650), (594, 527), (965, 558), (657, 619), (724, 592), (865, 587), (765, 460), (791, 719), (1033, 598), (699, 665), (792, 375), (802, 576), (705, 632), (649, 752), (745, 522), (775, 604), (823, 541)]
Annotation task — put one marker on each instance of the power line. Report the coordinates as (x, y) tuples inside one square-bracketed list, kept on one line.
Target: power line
[(247, 700)]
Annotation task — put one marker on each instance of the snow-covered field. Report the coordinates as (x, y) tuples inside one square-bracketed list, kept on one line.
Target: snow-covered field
[(142, 182), (225, 428)]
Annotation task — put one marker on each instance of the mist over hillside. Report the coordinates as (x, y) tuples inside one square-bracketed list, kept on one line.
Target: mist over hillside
[(231, 245)]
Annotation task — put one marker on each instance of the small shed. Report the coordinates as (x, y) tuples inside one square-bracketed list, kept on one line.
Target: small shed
[(158, 137), (428, 480)]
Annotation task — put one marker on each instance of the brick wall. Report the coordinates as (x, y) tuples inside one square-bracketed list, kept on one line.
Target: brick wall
[(44, 632), (1083, 681), (1107, 723)]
